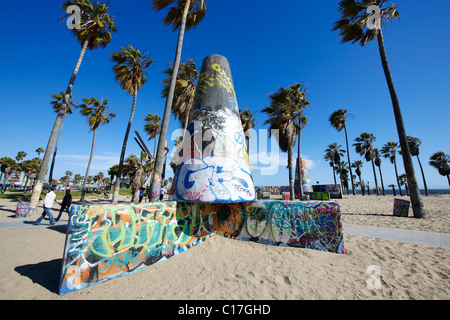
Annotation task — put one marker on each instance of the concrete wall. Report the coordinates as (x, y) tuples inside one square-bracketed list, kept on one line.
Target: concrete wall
[(104, 242)]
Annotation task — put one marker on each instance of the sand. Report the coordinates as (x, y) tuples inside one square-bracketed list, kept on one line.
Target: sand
[(227, 269)]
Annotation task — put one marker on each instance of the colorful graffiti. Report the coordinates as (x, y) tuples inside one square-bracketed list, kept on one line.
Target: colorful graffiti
[(213, 162), (401, 208), (306, 182), (104, 242), (311, 225), (333, 189), (22, 210), (324, 196)]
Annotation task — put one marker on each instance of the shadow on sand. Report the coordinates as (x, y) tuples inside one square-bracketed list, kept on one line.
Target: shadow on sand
[(45, 273)]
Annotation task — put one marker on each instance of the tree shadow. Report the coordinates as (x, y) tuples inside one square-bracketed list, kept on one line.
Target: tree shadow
[(58, 227), (45, 273), (367, 214)]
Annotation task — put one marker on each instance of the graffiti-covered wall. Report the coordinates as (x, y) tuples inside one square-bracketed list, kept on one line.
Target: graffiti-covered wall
[(104, 242), (311, 225)]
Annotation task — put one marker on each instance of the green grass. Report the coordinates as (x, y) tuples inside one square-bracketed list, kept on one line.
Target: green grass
[(76, 194)]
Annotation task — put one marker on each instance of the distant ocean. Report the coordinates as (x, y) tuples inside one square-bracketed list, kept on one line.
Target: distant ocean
[(388, 191)]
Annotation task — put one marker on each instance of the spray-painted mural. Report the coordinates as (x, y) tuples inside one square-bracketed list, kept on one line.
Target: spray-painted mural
[(214, 193), (303, 174), (104, 242), (311, 225), (324, 196), (213, 164), (333, 189)]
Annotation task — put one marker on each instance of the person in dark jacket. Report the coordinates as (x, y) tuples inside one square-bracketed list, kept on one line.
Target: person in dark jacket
[(65, 205)]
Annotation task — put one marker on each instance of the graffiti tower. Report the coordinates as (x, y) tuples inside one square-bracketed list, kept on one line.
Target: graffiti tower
[(214, 165)]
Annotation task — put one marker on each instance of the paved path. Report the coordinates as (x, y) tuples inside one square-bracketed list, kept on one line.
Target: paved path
[(412, 236), (400, 235)]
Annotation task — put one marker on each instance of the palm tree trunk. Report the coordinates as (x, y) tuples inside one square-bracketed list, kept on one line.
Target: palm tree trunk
[(334, 174), (375, 177), (124, 147), (37, 189), (349, 163), (291, 180), (416, 200), (423, 177), (50, 175), (396, 175), (448, 178), (83, 191), (299, 161), (157, 171), (382, 184), (362, 187), (154, 146)]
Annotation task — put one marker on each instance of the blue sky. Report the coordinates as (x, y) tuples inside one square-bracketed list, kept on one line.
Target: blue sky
[(268, 44)]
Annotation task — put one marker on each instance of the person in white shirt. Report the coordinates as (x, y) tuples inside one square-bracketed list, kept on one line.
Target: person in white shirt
[(48, 204), (161, 194)]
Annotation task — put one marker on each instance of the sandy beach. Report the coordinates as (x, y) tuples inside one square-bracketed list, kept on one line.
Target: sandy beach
[(227, 269)]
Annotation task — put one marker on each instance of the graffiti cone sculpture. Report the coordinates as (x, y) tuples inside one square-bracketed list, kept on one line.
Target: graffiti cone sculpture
[(213, 165)]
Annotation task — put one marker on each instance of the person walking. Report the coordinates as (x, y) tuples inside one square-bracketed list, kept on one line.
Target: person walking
[(65, 205), (161, 194), (141, 194), (48, 204)]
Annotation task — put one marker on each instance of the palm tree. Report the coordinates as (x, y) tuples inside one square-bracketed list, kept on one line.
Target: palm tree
[(287, 114), (39, 151), (333, 154), (95, 30), (393, 189), (68, 175), (89, 179), (112, 172), (184, 94), (136, 169), (441, 162), (98, 113), (7, 167), (414, 144), (248, 123), (337, 121), (130, 71), (341, 168), (389, 150), (404, 181), (364, 147), (77, 178), (355, 26), (20, 156), (357, 165), (183, 14), (377, 161), (99, 177), (57, 105), (152, 123), (31, 168), (329, 157)]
